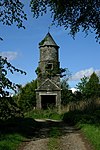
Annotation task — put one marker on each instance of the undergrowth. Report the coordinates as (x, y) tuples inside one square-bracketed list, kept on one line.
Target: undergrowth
[(44, 114)]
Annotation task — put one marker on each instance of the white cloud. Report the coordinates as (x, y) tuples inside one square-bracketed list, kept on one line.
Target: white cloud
[(9, 55), (87, 72), (73, 90), (97, 72)]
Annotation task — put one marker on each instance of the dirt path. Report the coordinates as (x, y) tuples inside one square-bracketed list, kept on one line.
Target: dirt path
[(69, 139)]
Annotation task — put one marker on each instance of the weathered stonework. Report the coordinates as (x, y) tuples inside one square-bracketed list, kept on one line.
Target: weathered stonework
[(48, 90)]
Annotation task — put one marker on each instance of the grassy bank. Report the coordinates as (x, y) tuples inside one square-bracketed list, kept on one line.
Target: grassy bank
[(92, 133)]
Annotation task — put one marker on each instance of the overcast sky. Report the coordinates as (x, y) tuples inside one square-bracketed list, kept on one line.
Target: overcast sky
[(80, 56)]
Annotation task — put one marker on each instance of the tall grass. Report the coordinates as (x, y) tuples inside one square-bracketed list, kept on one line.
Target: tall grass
[(92, 132), (44, 114)]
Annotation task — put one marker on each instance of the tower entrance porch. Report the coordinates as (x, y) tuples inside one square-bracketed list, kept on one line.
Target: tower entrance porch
[(48, 101)]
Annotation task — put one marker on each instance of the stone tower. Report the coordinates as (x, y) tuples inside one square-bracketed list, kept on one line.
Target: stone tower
[(48, 92)]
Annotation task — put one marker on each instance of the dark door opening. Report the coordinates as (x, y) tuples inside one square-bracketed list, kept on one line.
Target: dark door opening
[(48, 101)]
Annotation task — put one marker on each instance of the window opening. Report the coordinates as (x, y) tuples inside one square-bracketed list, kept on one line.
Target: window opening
[(49, 66)]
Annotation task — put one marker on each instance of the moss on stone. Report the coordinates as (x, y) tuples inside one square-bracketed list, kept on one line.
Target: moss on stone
[(42, 42)]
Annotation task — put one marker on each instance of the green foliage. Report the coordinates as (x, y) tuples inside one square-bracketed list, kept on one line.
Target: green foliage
[(82, 84), (73, 15), (16, 130), (44, 114), (12, 12), (38, 71), (64, 72), (42, 42), (64, 91), (89, 87), (53, 72), (10, 141), (93, 86), (26, 97), (5, 83), (9, 108), (92, 132), (66, 94), (82, 117)]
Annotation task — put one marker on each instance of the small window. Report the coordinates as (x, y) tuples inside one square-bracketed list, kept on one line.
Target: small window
[(49, 66)]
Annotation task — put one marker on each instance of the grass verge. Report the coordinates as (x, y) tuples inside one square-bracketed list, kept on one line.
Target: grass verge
[(92, 133), (14, 131), (88, 122), (10, 141)]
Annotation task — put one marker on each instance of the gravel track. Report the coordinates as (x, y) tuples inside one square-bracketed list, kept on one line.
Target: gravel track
[(70, 139)]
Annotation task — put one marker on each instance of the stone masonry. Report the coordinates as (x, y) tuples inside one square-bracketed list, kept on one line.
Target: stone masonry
[(48, 92)]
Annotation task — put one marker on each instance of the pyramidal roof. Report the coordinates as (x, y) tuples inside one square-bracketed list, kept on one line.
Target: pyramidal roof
[(48, 41)]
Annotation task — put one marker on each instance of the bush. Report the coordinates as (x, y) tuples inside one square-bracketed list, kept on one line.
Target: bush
[(26, 98), (75, 117), (71, 117), (9, 108)]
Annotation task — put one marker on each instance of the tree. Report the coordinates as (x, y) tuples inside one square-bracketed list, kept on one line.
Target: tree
[(26, 97), (8, 107), (89, 87), (93, 86), (64, 91), (73, 15), (66, 94), (81, 86), (5, 83), (11, 11)]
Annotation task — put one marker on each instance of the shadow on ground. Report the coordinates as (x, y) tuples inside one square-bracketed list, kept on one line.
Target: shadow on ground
[(34, 129)]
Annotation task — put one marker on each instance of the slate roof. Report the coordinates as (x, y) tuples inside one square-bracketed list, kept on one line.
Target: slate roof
[(48, 85), (48, 41)]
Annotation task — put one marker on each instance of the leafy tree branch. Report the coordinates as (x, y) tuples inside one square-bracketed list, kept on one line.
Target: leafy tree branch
[(72, 15), (5, 83)]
